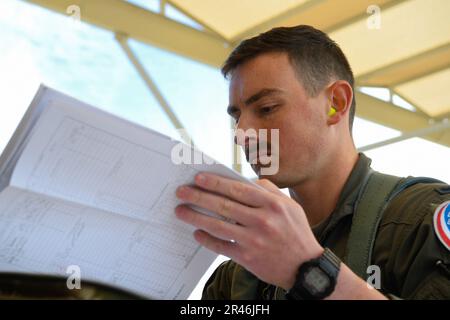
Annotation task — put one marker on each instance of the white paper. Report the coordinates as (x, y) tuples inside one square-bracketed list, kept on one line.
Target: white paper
[(97, 191)]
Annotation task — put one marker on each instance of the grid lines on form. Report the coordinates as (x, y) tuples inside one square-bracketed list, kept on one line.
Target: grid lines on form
[(87, 164), (128, 191), (43, 235), (32, 230)]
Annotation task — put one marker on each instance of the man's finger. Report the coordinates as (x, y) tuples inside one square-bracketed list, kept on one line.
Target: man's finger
[(226, 248), (244, 193), (216, 227), (221, 205)]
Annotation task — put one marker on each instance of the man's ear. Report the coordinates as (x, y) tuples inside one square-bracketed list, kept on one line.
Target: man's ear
[(340, 97)]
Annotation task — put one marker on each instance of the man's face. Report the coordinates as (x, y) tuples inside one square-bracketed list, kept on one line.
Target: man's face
[(265, 93)]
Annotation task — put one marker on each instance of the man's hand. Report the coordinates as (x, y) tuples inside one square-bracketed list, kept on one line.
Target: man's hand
[(271, 237)]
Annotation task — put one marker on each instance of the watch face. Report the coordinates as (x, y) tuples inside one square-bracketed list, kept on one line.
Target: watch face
[(316, 281)]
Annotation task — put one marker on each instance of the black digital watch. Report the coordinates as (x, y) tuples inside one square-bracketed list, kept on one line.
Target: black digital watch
[(316, 279)]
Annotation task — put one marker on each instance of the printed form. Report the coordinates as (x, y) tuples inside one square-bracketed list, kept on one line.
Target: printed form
[(89, 189)]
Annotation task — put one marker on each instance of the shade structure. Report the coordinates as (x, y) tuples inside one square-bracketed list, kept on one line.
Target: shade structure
[(403, 45)]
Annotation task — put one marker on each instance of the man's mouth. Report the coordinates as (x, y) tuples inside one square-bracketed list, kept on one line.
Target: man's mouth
[(258, 156)]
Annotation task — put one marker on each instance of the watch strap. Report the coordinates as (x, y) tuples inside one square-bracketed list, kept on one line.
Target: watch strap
[(329, 263)]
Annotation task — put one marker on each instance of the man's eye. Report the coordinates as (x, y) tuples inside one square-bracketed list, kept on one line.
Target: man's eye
[(266, 110)]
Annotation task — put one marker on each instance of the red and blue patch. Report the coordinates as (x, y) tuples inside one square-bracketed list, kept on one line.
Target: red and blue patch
[(441, 221)]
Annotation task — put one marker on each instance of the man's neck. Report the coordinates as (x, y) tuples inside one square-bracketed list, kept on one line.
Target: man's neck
[(319, 196)]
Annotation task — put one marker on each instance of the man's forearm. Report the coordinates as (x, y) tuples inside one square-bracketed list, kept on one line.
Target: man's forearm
[(350, 287)]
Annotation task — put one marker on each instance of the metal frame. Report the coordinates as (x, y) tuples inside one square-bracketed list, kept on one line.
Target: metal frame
[(435, 128), (409, 69), (123, 42), (400, 119), (208, 46), (122, 17)]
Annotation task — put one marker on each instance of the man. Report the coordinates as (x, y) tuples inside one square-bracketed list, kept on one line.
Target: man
[(298, 80)]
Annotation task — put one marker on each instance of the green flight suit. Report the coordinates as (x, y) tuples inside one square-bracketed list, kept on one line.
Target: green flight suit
[(414, 264)]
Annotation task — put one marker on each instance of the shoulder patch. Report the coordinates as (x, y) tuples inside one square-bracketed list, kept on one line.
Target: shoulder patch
[(441, 221)]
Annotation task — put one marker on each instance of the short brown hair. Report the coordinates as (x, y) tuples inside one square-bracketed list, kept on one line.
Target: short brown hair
[(315, 56)]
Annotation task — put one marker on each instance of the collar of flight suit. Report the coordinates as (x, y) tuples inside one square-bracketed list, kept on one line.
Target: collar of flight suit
[(346, 203)]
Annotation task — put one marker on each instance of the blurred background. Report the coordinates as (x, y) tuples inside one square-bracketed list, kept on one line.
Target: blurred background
[(156, 63)]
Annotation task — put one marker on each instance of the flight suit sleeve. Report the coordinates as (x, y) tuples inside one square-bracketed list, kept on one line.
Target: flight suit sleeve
[(414, 262), (230, 281), (218, 285)]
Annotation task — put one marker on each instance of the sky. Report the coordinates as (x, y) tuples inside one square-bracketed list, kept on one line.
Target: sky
[(39, 46)]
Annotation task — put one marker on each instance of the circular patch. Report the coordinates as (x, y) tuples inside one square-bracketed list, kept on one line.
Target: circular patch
[(441, 221)]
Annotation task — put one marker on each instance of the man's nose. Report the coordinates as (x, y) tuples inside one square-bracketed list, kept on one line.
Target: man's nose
[(245, 132), (241, 141)]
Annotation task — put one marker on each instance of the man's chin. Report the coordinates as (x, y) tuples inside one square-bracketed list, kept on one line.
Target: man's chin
[(274, 178)]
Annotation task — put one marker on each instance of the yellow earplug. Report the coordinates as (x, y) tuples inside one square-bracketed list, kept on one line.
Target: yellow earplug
[(331, 112)]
